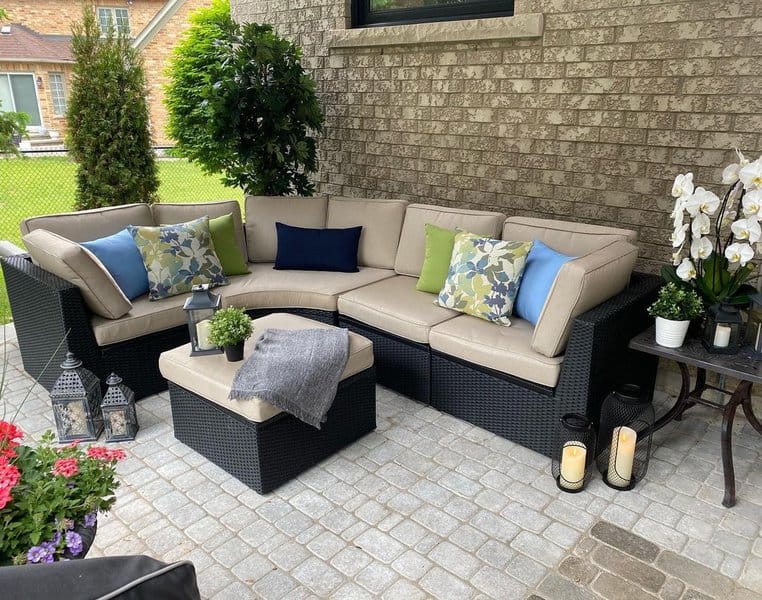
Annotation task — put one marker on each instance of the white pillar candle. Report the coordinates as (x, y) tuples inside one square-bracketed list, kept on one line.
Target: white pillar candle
[(722, 336), (621, 456), (202, 332), (573, 459)]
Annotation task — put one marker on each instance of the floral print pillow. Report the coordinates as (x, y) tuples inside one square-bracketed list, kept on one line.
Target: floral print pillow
[(177, 257), (484, 277)]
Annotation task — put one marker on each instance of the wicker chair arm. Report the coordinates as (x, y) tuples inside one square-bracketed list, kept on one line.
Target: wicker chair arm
[(24, 265)]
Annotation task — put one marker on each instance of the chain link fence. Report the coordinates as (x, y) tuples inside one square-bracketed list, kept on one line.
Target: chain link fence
[(44, 182)]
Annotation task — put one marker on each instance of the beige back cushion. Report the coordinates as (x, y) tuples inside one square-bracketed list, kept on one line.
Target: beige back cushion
[(582, 284), (78, 266), (87, 225), (169, 214), (262, 212), (381, 222), (412, 244), (575, 239)]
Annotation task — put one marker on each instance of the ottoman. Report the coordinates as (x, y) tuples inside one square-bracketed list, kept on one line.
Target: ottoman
[(252, 440)]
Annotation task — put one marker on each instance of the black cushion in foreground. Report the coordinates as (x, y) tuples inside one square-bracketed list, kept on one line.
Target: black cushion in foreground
[(113, 577)]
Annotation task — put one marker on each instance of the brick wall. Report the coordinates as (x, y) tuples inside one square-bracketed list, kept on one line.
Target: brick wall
[(590, 121)]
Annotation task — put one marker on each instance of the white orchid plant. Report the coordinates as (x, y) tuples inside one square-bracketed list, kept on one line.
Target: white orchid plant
[(719, 269)]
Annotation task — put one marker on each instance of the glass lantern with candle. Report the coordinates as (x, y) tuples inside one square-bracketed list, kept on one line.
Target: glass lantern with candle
[(722, 330), (754, 325), (76, 398), (624, 435), (574, 452), (200, 308), (118, 408)]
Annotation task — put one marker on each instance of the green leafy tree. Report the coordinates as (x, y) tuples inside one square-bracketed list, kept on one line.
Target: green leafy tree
[(241, 104), (108, 119), (12, 124)]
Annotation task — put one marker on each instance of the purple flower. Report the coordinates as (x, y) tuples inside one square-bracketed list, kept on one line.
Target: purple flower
[(35, 554), (73, 542), (90, 519), (56, 538)]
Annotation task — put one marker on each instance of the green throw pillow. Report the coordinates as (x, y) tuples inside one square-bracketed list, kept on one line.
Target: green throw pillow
[(439, 243), (225, 245), (484, 277), (177, 257)]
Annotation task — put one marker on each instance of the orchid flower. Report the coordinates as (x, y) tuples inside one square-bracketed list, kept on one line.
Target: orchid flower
[(701, 248), (747, 229), (687, 270), (751, 175), (700, 225), (739, 252), (752, 202), (702, 201), (683, 185), (676, 257), (730, 174), (678, 236)]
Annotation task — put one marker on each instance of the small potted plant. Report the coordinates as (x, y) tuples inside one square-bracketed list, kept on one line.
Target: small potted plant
[(230, 328), (675, 307)]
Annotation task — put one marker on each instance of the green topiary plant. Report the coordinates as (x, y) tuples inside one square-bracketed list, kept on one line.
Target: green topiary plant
[(108, 119), (676, 303), (229, 327), (241, 104)]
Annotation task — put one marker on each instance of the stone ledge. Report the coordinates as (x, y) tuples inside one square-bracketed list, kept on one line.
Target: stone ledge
[(499, 28)]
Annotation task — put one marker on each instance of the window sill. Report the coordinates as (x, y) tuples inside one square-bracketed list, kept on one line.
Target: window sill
[(498, 28)]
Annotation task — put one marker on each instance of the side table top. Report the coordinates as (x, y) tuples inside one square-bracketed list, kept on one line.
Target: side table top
[(744, 365)]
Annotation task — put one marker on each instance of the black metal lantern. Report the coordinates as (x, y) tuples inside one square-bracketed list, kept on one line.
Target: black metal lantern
[(627, 418), (76, 397), (118, 408), (200, 309), (754, 325), (722, 330), (574, 452)]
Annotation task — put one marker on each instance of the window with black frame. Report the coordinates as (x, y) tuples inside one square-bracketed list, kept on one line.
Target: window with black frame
[(369, 13)]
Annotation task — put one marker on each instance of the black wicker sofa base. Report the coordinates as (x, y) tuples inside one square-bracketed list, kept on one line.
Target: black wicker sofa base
[(596, 360), (266, 455)]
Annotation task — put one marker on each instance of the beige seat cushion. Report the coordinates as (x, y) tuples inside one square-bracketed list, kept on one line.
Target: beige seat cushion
[(80, 267), (211, 376), (87, 225), (381, 222), (169, 214), (395, 306), (582, 284), (262, 212), (504, 349), (412, 246), (574, 239), (145, 317), (266, 287)]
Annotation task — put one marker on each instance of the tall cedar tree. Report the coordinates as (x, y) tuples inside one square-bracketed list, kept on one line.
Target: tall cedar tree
[(241, 104), (108, 119)]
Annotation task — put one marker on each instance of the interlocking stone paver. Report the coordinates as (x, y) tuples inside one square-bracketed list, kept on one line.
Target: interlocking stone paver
[(444, 509), (615, 588), (636, 571)]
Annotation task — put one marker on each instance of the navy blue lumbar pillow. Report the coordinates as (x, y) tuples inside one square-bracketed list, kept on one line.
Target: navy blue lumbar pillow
[(121, 257), (317, 249)]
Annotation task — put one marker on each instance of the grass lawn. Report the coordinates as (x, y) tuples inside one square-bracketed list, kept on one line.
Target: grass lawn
[(38, 186)]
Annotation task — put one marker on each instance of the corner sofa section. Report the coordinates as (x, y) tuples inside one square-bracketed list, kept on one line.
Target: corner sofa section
[(514, 381)]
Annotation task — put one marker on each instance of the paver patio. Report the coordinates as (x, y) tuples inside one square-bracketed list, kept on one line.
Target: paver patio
[(430, 506)]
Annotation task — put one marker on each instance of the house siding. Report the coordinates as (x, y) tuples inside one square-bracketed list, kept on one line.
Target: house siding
[(589, 122)]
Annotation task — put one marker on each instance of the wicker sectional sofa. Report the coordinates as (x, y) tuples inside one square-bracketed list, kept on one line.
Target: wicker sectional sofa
[(514, 381)]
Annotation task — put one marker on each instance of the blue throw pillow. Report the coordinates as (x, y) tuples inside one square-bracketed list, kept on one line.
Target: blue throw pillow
[(317, 249), (543, 264), (121, 257)]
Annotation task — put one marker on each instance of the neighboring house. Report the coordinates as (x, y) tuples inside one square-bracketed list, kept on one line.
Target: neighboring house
[(36, 62)]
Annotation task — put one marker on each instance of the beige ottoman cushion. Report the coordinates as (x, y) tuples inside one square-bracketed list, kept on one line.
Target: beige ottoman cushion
[(211, 376)]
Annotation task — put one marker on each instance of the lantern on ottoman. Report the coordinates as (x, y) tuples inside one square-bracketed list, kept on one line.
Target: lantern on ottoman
[(76, 397), (118, 408), (200, 308)]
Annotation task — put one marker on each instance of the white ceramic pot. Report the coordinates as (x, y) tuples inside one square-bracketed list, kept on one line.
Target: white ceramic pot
[(671, 334)]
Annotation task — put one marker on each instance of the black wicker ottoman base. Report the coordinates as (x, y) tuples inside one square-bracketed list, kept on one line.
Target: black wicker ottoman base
[(266, 455)]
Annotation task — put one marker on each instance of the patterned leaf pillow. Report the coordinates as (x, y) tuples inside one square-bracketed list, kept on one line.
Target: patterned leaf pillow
[(484, 277), (177, 257)]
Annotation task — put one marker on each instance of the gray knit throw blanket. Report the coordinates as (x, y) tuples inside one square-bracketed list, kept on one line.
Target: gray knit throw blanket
[(296, 370)]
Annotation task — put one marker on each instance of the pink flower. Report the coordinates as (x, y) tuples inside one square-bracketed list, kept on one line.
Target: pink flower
[(9, 436), (5, 497), (67, 467), (105, 454), (9, 478)]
